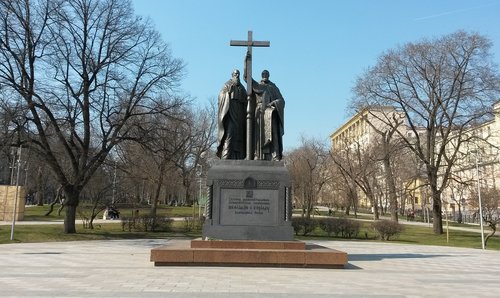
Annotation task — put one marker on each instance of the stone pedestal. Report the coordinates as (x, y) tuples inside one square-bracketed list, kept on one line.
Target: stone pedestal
[(248, 200), (248, 223), (247, 253), (7, 199)]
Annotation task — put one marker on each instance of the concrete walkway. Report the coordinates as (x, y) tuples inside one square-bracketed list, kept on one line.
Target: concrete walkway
[(122, 269)]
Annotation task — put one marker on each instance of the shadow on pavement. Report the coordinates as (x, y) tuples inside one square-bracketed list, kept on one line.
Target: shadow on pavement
[(379, 257)]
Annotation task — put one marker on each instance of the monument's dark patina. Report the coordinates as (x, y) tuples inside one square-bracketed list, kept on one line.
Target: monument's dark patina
[(269, 119), (250, 43), (264, 113), (231, 120), (249, 199)]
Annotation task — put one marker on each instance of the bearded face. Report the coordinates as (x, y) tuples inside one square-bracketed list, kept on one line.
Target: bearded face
[(235, 77)]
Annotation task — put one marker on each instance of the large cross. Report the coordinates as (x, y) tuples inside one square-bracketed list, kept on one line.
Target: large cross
[(250, 43)]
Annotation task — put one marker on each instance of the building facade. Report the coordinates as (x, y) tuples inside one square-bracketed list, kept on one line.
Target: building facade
[(478, 160)]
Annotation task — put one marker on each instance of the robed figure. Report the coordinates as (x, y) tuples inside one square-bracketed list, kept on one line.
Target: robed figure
[(269, 118), (231, 119)]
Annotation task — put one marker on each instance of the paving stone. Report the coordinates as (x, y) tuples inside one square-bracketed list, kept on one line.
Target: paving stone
[(122, 268)]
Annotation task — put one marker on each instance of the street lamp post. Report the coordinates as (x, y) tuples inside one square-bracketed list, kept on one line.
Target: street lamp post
[(17, 194), (200, 173), (479, 197), (13, 165), (114, 186)]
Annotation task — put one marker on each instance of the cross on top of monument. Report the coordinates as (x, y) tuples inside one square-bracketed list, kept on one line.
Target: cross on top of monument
[(249, 43)]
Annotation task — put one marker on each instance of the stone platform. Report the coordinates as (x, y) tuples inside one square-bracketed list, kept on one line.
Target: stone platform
[(248, 200), (247, 253)]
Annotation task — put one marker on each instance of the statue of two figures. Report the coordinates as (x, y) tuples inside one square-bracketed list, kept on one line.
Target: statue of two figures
[(250, 123)]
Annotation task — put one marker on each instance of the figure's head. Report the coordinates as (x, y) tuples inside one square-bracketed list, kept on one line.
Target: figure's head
[(265, 75), (236, 74)]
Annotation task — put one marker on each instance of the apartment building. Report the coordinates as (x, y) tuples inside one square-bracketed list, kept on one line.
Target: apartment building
[(363, 131), (481, 153), (364, 127), (478, 162)]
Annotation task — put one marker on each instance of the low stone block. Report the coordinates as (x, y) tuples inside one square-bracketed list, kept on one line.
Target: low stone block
[(183, 254), (166, 255), (325, 258), (247, 244)]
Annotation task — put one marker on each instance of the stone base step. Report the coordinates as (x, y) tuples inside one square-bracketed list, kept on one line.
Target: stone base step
[(248, 254)]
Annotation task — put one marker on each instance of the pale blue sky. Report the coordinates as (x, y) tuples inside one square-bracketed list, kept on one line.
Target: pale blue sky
[(318, 47)]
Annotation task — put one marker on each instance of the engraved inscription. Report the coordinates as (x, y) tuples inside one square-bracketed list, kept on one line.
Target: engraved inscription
[(249, 183), (249, 207)]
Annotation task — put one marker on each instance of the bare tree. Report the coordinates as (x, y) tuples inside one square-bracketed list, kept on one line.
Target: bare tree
[(196, 139), (490, 199), (10, 116), (85, 70), (359, 164), (347, 190), (98, 195), (172, 147), (308, 167), (442, 86), (388, 147), (154, 157), (459, 187), (339, 191)]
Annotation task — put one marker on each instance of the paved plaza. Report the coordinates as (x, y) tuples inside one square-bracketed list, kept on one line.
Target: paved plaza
[(122, 268)]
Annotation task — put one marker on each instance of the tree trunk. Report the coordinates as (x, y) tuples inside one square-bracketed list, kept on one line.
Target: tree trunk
[(437, 223), (460, 216), (91, 221), (69, 220), (71, 203), (493, 227), (308, 207), (39, 194), (354, 199), (156, 196), (187, 189), (393, 198), (39, 198), (154, 205), (374, 202)]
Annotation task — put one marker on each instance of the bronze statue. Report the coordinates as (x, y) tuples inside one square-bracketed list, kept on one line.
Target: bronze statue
[(269, 117), (231, 119), (264, 113)]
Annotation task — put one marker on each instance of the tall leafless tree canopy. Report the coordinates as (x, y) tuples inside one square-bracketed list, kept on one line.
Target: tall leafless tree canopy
[(443, 86), (308, 166), (359, 164), (176, 147), (83, 71)]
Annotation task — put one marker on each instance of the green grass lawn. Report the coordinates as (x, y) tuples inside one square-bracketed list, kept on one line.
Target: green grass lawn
[(410, 235), (113, 230), (108, 231), (419, 235), (424, 235), (37, 213)]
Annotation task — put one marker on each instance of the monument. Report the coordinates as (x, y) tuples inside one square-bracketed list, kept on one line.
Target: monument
[(249, 209), (249, 199)]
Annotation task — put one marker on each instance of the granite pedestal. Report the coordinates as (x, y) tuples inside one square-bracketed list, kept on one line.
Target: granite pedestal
[(247, 253), (248, 223), (248, 200)]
